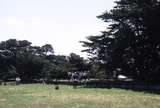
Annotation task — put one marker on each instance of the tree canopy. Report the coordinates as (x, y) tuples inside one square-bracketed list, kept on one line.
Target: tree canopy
[(19, 58), (131, 42)]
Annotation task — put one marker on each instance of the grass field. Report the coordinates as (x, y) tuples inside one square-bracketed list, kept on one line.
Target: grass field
[(45, 96)]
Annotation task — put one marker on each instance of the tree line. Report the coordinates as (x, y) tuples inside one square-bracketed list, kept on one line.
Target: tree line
[(130, 45), (19, 58)]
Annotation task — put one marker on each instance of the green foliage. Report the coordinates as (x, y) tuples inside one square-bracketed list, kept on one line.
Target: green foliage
[(18, 58), (77, 63), (131, 41)]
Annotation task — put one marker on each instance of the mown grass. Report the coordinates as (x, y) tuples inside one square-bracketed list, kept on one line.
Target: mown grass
[(45, 96)]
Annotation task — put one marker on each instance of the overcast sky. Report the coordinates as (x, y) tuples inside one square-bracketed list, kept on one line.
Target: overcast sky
[(62, 23)]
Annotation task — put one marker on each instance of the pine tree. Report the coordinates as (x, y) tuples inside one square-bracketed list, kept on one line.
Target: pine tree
[(131, 42)]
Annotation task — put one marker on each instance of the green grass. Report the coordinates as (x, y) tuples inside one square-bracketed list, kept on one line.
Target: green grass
[(45, 96)]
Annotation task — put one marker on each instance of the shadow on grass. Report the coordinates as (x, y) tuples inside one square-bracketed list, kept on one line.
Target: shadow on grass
[(153, 88)]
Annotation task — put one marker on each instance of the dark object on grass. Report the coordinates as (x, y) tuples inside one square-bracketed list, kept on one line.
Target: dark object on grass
[(56, 87)]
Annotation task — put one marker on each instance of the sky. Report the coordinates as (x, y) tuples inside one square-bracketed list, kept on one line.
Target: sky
[(61, 23)]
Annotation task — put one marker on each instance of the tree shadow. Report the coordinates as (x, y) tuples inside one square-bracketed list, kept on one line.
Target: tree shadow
[(153, 88)]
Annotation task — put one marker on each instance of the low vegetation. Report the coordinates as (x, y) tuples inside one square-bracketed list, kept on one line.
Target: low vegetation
[(46, 96)]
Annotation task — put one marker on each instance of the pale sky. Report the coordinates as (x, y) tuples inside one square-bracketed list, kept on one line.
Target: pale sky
[(62, 23)]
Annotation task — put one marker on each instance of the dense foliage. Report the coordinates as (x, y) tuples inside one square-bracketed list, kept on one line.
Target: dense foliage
[(131, 44), (18, 58)]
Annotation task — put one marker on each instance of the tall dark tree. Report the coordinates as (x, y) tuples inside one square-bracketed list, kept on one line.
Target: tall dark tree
[(131, 41)]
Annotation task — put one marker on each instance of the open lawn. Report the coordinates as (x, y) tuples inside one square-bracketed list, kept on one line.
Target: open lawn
[(45, 96)]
